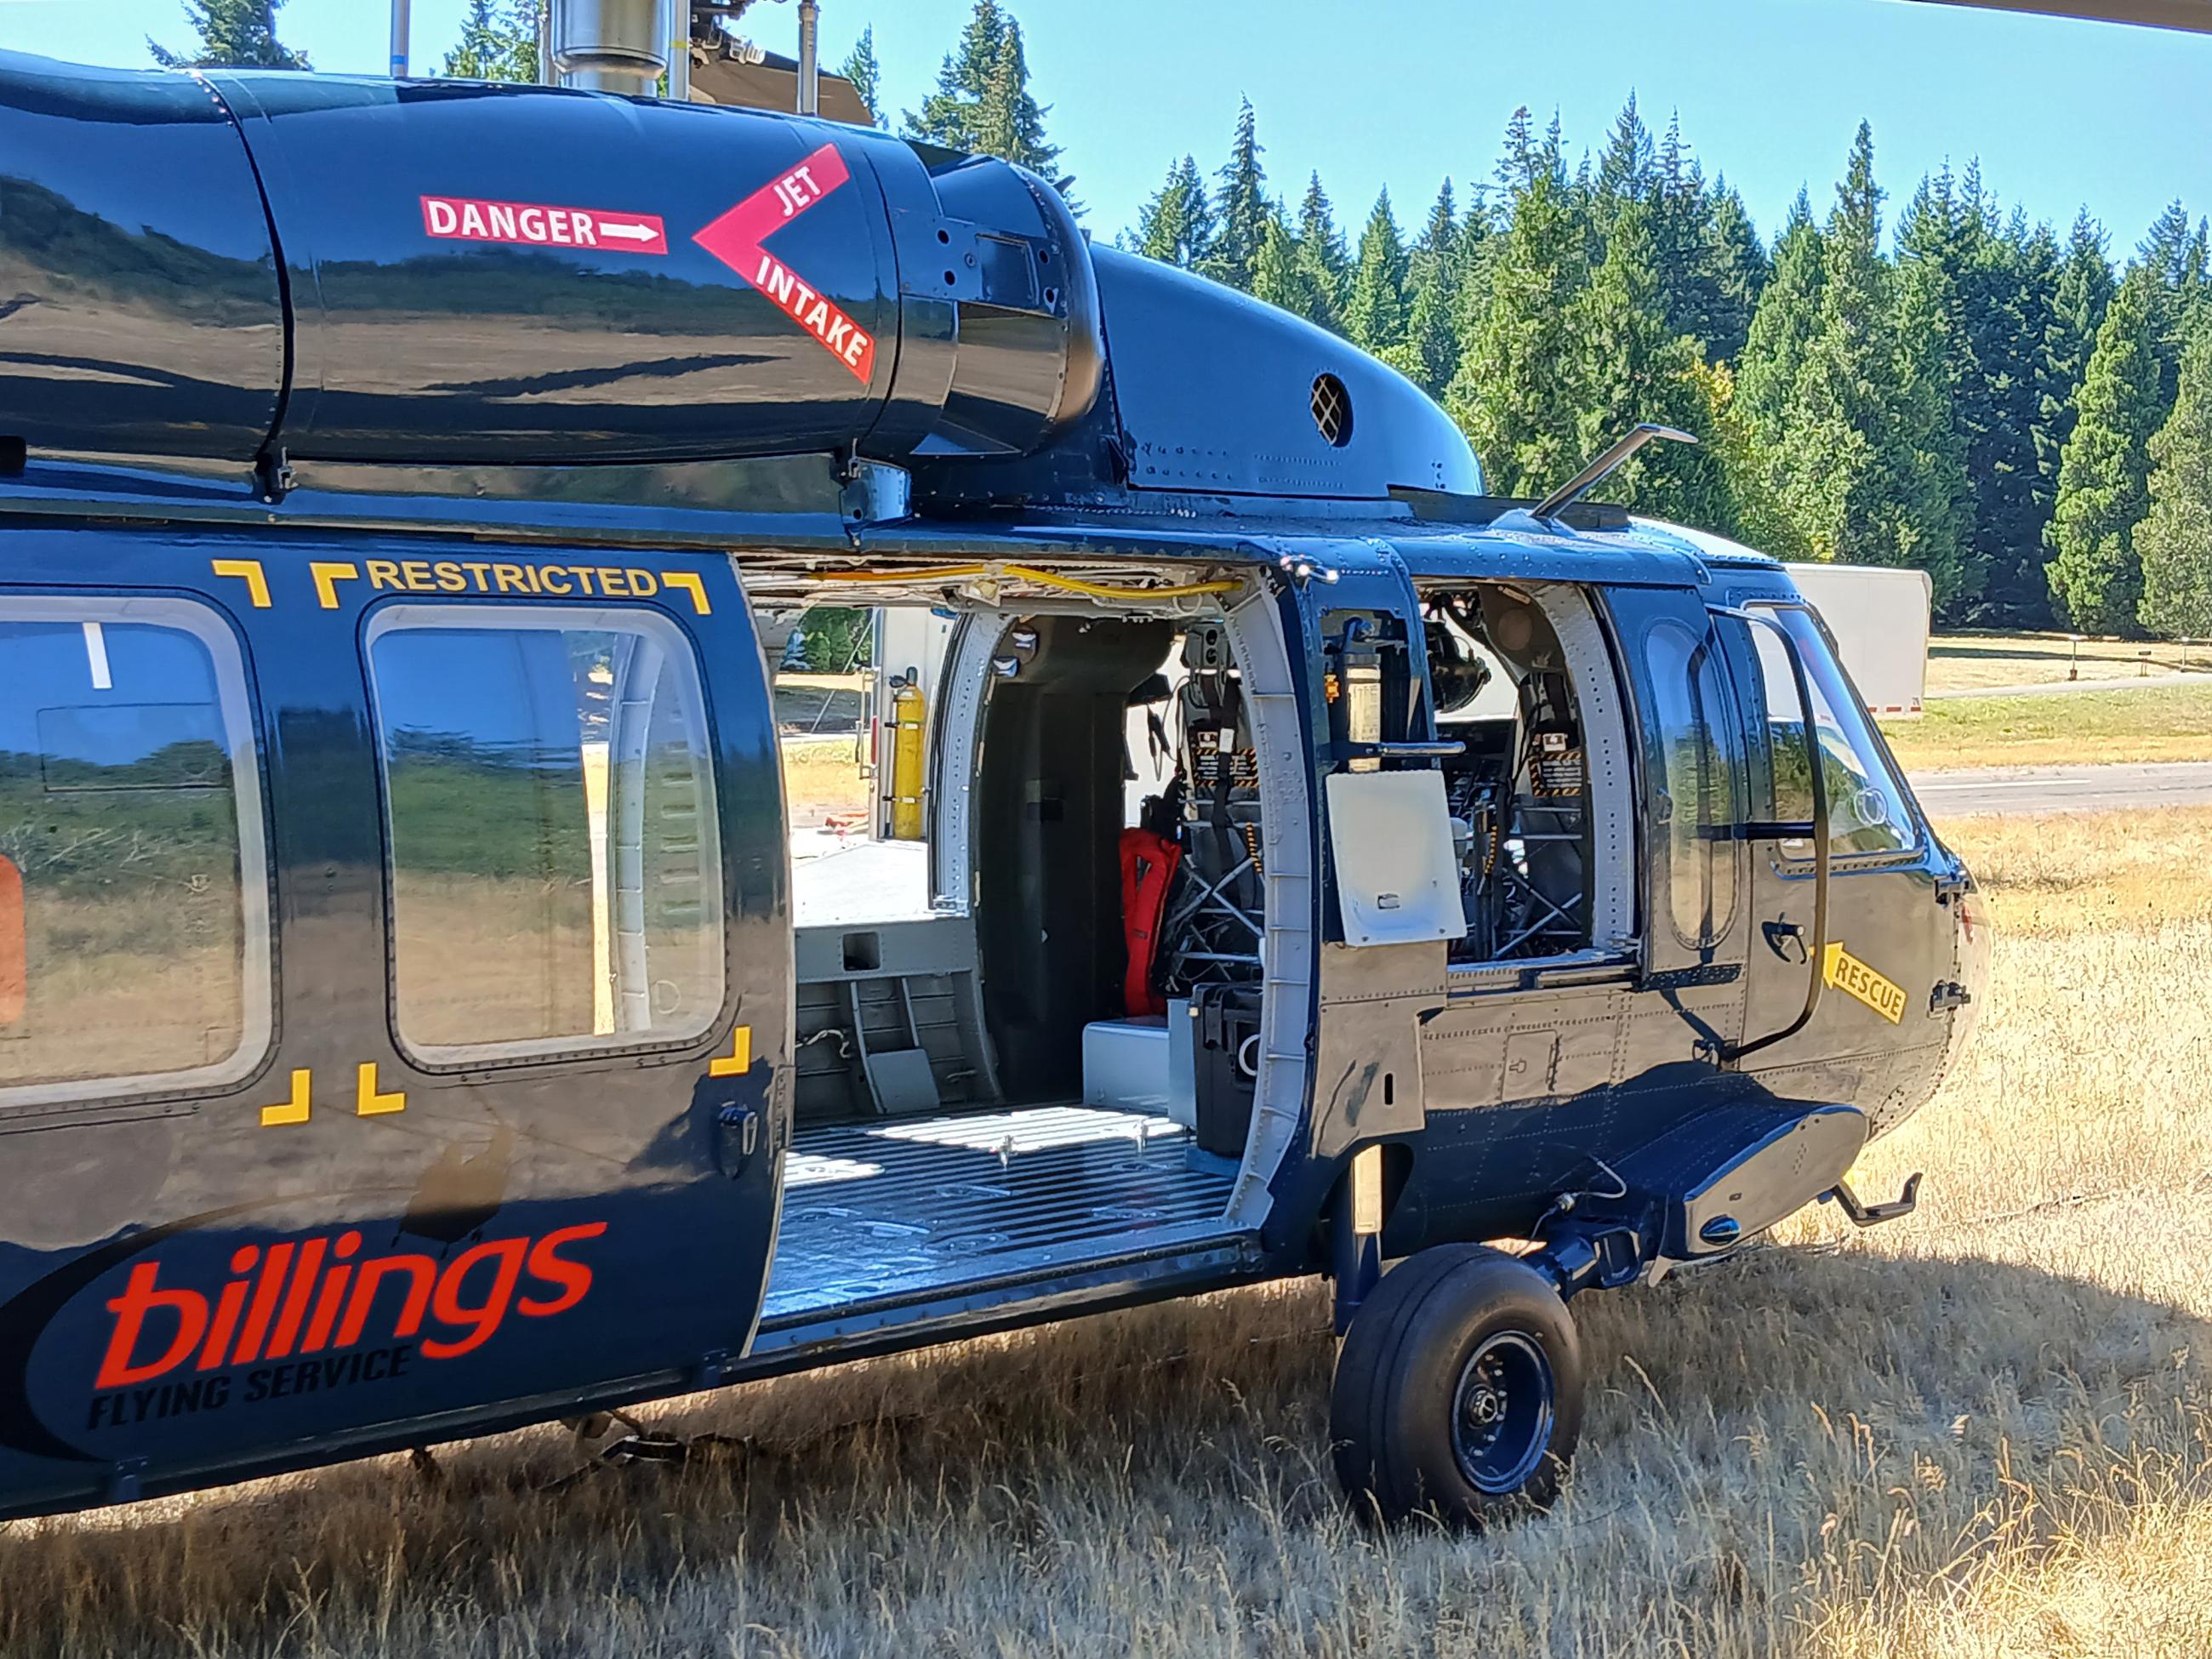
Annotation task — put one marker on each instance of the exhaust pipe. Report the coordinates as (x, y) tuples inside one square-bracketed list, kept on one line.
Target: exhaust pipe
[(608, 45)]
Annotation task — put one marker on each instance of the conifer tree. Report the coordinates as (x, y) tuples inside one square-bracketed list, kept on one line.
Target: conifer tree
[(1513, 392), (1375, 310), (1526, 157), (866, 74), (1242, 210), (2019, 592), (1684, 233), (1953, 294), (1629, 367), (1738, 272), (233, 35), (1429, 350), (2086, 286), (1177, 226), (1439, 239), (2084, 292), (1625, 172), (2175, 252), (1277, 276), (1324, 264), (2096, 575), (2175, 542), (497, 42), (948, 115), (1866, 459), (984, 103), (1782, 326)]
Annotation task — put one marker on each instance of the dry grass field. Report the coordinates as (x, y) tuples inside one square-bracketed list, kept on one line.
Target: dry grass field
[(1984, 1430), (1959, 662)]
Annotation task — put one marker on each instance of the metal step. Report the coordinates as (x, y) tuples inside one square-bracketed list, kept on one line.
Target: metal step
[(901, 1205)]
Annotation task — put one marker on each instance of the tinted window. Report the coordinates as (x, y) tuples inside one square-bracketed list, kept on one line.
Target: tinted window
[(133, 927), (1867, 810), (555, 865), (1699, 780)]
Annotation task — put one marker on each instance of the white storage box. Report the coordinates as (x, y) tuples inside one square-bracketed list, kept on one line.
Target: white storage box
[(1127, 1065)]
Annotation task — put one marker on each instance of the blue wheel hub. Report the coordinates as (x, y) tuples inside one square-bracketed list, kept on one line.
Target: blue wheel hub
[(1502, 1413)]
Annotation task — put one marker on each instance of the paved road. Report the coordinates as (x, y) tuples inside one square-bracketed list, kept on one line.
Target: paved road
[(2064, 789)]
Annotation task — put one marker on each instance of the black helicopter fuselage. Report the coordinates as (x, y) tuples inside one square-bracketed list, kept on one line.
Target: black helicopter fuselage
[(405, 1029)]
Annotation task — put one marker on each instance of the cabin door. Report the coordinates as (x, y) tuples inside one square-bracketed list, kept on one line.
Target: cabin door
[(1391, 901), (1869, 969), (394, 994)]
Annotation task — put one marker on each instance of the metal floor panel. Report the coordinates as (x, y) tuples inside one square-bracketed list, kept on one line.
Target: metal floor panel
[(902, 1204)]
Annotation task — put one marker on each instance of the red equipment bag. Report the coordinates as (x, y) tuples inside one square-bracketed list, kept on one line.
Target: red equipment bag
[(1148, 868)]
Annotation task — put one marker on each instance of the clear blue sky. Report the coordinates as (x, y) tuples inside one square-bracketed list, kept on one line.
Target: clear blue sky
[(1402, 92)]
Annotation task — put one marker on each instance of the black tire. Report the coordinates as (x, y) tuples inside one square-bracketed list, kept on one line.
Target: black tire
[(1459, 1389)]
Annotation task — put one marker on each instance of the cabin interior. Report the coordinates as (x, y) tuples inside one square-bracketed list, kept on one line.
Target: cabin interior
[(984, 1084)]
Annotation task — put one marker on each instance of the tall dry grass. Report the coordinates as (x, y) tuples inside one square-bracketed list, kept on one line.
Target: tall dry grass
[(1980, 1431)]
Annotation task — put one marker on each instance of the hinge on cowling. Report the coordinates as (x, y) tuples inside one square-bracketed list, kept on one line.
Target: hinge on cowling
[(273, 478)]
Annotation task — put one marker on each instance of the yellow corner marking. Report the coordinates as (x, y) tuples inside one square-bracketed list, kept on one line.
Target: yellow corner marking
[(294, 1110), (739, 1060), (249, 572), (1847, 974), (327, 576), (689, 582), (367, 1102)]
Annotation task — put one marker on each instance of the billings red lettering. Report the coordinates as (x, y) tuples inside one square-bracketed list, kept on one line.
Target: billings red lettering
[(294, 1302)]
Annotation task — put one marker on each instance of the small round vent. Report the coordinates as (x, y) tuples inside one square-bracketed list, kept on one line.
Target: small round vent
[(1332, 409)]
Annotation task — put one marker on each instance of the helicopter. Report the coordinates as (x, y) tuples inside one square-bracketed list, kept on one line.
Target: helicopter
[(407, 1030)]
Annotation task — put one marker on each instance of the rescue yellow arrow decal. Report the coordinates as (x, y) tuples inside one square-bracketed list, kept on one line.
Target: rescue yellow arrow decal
[(1847, 974)]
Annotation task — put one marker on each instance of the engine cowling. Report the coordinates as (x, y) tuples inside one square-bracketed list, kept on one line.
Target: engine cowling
[(224, 267)]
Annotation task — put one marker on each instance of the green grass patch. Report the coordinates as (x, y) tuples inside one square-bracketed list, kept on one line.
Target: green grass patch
[(2158, 723)]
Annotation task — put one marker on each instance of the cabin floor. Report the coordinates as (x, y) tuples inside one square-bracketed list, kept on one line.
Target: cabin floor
[(896, 1206)]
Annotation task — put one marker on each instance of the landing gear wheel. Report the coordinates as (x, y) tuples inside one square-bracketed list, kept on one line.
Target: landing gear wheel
[(1459, 1388)]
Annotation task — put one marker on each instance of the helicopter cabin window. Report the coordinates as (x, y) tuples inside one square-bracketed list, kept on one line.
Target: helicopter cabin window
[(1867, 812), (1521, 794), (555, 870), (1698, 775), (134, 897)]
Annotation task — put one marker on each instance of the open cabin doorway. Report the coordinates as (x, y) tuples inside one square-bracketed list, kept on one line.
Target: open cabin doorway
[(1035, 1035)]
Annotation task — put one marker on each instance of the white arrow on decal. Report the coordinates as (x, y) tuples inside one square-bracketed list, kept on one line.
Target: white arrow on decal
[(628, 232)]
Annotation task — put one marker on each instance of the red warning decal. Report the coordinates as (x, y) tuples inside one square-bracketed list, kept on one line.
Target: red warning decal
[(737, 238), (537, 224)]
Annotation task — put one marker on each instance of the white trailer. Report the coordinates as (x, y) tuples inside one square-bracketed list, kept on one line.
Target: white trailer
[(1879, 617)]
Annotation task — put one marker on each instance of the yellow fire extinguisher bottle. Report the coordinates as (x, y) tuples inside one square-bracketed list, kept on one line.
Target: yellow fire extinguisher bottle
[(909, 714)]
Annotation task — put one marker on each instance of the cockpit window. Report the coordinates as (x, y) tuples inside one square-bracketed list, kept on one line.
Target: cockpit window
[(134, 915), (1868, 814)]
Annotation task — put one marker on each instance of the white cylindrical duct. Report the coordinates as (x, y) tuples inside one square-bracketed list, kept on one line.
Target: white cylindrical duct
[(679, 52), (809, 67), (609, 45)]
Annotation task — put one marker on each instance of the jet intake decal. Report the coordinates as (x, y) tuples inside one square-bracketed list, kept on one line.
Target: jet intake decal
[(736, 240)]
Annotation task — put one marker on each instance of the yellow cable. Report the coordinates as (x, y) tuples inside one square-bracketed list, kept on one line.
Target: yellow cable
[(1097, 591), (1030, 574)]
